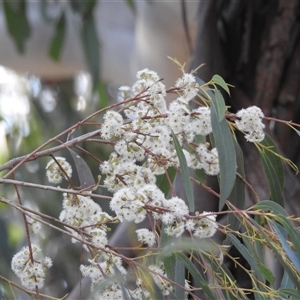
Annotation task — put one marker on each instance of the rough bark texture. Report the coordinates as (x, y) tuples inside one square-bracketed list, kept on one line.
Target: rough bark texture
[(255, 46)]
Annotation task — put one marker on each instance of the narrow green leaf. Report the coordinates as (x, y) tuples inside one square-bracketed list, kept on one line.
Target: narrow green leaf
[(131, 5), (103, 95), (282, 235), (85, 175), (17, 23), (267, 205), (197, 276), (247, 255), (294, 293), (237, 196), (220, 105), (277, 252), (227, 158), (185, 174), (163, 183), (217, 79), (91, 48), (169, 264), (179, 278), (274, 170), (268, 275), (58, 39), (84, 8), (286, 282)]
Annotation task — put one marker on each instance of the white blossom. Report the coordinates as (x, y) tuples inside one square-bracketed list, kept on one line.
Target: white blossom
[(206, 226), (249, 120), (209, 159), (57, 170), (189, 87), (31, 273), (146, 236), (112, 126)]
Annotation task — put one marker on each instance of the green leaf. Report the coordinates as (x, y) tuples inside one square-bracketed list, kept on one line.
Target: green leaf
[(286, 281), (268, 241), (294, 293), (237, 196), (58, 39), (131, 5), (247, 255), (163, 183), (84, 8), (268, 275), (102, 93), (227, 158), (85, 175), (274, 170), (282, 235), (220, 105), (179, 278), (17, 23), (91, 48), (197, 276), (185, 174), (267, 205), (217, 79)]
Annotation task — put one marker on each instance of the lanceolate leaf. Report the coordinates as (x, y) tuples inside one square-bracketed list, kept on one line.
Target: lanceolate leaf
[(58, 39), (85, 175), (179, 278), (274, 170), (282, 235), (131, 5), (247, 255), (237, 195), (17, 23), (219, 105), (185, 174), (217, 79), (198, 277), (91, 47), (227, 159)]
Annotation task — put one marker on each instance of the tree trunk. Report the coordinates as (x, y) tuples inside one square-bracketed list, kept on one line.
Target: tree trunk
[(255, 46)]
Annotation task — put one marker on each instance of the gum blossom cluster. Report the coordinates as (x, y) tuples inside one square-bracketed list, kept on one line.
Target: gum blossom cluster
[(144, 148)]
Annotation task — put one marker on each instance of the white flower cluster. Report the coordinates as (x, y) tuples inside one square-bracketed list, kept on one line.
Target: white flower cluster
[(146, 236), (249, 120), (54, 171), (204, 226), (31, 273), (144, 148), (84, 213), (104, 269)]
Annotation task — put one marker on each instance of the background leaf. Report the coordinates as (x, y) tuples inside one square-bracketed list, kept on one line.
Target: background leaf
[(91, 47), (58, 39), (17, 22)]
